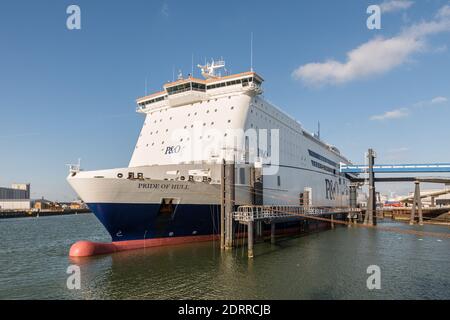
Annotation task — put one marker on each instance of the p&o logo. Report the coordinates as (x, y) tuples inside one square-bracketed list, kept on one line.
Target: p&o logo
[(173, 149)]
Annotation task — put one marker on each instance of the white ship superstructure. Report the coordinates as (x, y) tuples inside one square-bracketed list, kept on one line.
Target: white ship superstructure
[(171, 187)]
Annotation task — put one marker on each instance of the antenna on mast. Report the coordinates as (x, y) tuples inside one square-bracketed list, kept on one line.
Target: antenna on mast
[(192, 66), (318, 129), (251, 51), (145, 85)]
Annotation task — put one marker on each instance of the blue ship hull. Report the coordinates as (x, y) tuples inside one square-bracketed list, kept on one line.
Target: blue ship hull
[(126, 222), (145, 221)]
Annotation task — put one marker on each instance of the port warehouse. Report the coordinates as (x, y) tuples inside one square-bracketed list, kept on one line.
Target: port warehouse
[(15, 198)]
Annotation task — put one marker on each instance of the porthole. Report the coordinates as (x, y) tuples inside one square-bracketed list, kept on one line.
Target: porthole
[(119, 175)]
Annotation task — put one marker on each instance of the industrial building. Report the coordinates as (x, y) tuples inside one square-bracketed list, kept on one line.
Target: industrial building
[(15, 198)]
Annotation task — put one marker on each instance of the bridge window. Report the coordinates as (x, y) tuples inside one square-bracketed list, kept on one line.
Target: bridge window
[(195, 86)]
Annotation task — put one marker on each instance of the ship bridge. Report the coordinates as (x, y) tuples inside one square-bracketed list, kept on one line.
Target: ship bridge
[(192, 90)]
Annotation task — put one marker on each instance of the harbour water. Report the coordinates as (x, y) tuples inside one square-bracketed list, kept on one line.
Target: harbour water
[(328, 265)]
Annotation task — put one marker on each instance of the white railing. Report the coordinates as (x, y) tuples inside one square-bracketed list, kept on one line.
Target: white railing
[(252, 213)]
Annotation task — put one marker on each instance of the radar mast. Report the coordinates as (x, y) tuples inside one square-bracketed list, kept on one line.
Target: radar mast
[(209, 69)]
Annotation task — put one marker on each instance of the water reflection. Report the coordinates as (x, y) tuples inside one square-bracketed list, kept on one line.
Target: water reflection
[(326, 265)]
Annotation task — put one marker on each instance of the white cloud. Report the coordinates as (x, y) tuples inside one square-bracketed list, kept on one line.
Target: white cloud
[(395, 5), (444, 12), (377, 56), (165, 9), (428, 103), (404, 112), (438, 100), (394, 114), (374, 57)]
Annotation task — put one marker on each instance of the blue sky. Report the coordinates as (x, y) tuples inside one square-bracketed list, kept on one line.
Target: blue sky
[(68, 94)]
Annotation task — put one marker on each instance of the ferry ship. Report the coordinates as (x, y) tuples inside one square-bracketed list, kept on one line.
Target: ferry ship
[(171, 190)]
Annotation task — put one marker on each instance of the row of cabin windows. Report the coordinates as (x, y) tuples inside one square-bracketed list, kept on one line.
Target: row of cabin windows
[(195, 86), (189, 114), (152, 101), (202, 87), (323, 167), (185, 127), (182, 139), (244, 82), (322, 158)]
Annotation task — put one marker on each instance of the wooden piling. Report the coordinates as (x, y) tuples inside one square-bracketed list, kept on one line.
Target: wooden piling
[(229, 179), (272, 232), (419, 204), (222, 205), (250, 239)]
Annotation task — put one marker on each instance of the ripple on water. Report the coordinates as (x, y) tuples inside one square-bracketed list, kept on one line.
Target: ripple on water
[(327, 265)]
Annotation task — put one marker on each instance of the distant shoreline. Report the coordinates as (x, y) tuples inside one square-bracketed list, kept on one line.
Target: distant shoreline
[(44, 213)]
